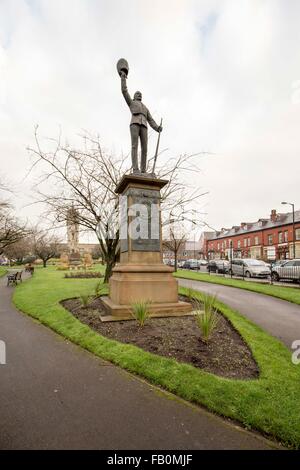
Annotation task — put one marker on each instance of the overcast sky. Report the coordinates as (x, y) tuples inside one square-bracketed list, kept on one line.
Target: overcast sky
[(224, 75)]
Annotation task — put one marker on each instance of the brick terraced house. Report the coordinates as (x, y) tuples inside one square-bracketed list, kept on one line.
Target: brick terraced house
[(258, 239)]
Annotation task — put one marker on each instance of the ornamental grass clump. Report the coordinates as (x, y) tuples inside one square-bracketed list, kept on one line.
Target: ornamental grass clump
[(85, 300), (207, 319), (141, 311), (190, 293), (100, 289)]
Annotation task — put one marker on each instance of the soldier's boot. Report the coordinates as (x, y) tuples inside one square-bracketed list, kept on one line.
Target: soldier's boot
[(134, 158)]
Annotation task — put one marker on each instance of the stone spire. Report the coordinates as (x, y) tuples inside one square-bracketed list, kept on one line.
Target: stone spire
[(72, 230)]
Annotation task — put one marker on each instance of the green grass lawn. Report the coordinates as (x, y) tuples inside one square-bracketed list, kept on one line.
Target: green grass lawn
[(269, 404), (2, 271), (291, 294)]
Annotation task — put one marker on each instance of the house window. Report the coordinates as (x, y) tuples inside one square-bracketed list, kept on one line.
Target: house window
[(286, 236), (245, 242), (255, 253), (270, 239), (256, 241), (297, 233), (218, 246), (249, 241), (280, 237), (239, 244)]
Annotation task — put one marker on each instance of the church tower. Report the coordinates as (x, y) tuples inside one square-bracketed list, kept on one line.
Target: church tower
[(72, 230)]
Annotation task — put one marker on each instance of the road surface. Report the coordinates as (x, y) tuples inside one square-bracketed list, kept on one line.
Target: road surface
[(279, 317), (55, 395)]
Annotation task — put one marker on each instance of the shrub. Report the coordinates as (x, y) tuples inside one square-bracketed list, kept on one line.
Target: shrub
[(83, 275), (85, 300), (208, 319), (140, 311), (29, 259)]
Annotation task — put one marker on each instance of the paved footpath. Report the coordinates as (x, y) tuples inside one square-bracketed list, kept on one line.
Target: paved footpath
[(279, 317), (57, 395)]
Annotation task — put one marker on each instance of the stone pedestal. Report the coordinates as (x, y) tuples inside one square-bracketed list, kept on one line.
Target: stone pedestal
[(141, 274)]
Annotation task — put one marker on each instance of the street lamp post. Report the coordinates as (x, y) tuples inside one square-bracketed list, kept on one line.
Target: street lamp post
[(231, 254), (294, 245), (194, 223)]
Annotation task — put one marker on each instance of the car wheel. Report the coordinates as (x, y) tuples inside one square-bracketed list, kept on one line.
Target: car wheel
[(230, 272), (217, 271), (275, 277), (248, 274)]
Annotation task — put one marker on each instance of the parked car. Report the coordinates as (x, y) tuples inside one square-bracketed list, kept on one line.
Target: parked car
[(249, 268), (169, 262), (194, 264), (280, 262), (203, 262), (191, 264), (180, 264), (218, 266), (186, 265), (289, 270)]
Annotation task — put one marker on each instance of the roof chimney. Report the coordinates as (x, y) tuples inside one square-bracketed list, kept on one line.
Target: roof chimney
[(273, 216)]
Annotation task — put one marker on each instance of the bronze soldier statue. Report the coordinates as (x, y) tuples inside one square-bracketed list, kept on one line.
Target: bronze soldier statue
[(139, 119)]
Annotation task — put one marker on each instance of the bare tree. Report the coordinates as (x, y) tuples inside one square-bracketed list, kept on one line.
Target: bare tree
[(11, 230), (19, 250), (86, 179), (45, 246), (174, 243), (4, 190), (97, 253)]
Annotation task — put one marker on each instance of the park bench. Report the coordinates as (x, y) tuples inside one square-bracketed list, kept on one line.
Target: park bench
[(13, 278)]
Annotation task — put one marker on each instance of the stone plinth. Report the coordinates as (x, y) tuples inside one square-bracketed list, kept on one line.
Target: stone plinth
[(141, 274)]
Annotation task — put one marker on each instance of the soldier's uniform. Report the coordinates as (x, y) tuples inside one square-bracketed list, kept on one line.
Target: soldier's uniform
[(138, 127)]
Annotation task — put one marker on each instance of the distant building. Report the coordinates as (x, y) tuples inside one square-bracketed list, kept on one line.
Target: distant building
[(73, 246), (203, 240), (191, 249), (257, 239)]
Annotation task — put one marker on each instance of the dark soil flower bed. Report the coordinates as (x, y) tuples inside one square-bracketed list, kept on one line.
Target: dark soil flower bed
[(83, 275), (226, 354)]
